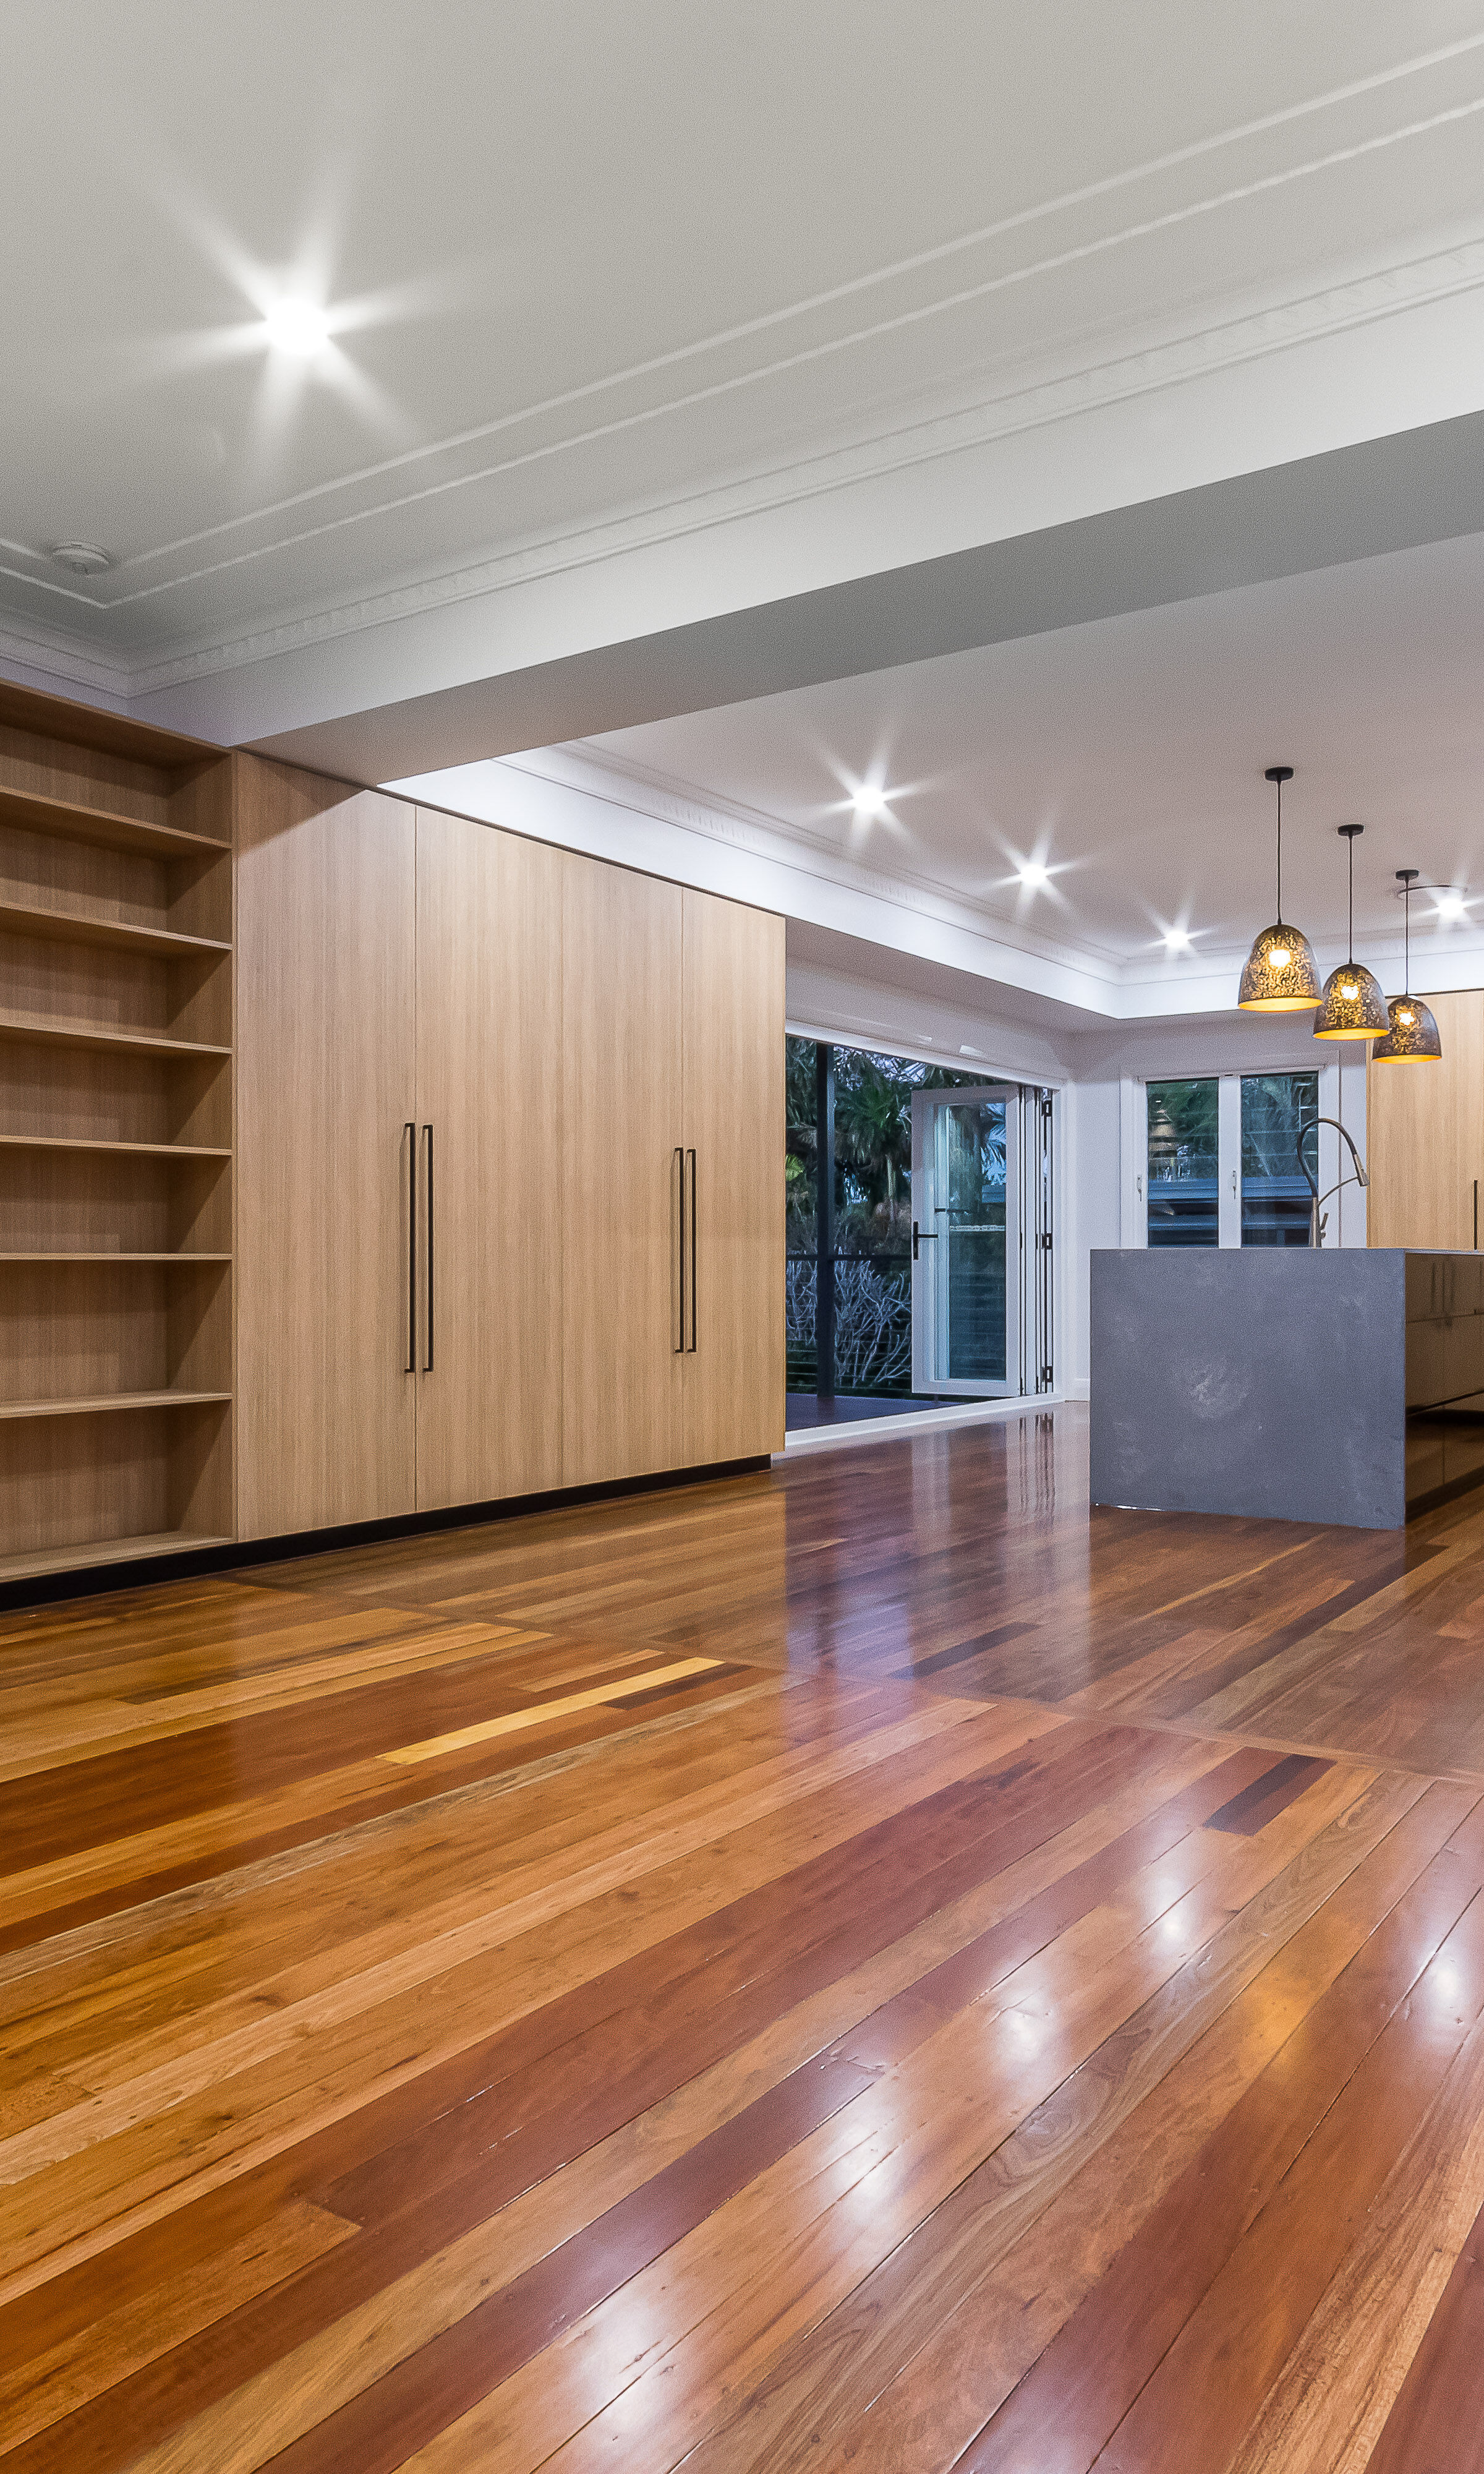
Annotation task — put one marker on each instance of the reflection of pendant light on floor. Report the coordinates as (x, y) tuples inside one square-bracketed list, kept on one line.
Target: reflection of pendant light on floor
[(1413, 1037), (1280, 974), (1354, 1006)]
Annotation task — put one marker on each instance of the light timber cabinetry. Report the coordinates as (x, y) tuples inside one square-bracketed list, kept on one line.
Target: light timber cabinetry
[(1424, 1137), (510, 1162), (327, 1087), (489, 1141), (622, 1403), (358, 1160), (733, 1137), (116, 1024)]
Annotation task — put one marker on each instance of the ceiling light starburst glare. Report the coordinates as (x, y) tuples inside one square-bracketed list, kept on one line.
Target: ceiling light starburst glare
[(297, 326)]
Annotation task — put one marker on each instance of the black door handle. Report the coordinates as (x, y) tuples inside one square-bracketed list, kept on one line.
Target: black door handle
[(922, 1237), (677, 1165), (410, 1129), (428, 1363)]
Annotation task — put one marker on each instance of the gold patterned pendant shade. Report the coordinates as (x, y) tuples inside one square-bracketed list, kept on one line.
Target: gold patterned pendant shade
[(1353, 1005), (1280, 974), (1413, 1038)]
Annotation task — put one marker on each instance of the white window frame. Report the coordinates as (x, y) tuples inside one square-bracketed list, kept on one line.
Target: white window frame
[(1344, 1212)]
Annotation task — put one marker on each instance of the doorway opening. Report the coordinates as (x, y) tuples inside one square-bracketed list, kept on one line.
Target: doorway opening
[(910, 1280)]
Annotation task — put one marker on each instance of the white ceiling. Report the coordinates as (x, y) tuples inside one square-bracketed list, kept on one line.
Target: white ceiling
[(1127, 758), (585, 265)]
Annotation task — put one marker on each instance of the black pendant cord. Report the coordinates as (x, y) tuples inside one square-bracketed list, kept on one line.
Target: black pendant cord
[(1406, 878), (1278, 775), (1350, 832)]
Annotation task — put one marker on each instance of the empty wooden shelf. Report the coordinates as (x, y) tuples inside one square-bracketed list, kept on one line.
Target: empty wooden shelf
[(102, 1550), (107, 1402), (80, 928), (77, 1254), (116, 1204), (90, 1143), (72, 821), (97, 1034)]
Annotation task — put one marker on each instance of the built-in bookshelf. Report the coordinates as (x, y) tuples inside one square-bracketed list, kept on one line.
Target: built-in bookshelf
[(116, 1025)]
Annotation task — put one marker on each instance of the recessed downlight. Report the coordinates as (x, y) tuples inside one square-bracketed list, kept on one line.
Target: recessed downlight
[(81, 558), (297, 326)]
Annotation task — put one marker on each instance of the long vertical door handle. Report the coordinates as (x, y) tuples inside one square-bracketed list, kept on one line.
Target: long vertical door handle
[(410, 1129), (677, 1167), (428, 1363), (692, 1253)]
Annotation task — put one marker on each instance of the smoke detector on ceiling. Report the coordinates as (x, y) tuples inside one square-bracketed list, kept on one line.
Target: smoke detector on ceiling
[(81, 558)]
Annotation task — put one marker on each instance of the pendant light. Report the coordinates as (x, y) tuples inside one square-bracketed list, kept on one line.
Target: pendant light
[(1280, 974), (1352, 1005), (1413, 1037)]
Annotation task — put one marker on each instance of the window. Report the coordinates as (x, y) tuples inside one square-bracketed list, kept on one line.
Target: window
[(1275, 1192), (1182, 1163), (1222, 1160)]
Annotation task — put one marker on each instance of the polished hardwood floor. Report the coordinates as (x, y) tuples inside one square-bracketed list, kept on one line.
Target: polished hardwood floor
[(869, 1966)]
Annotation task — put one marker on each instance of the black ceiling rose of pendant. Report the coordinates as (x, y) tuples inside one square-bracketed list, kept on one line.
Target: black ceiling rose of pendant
[(1280, 974), (1354, 1005), (1413, 1037)]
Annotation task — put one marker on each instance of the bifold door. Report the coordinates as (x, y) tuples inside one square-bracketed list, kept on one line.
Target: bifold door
[(967, 1284)]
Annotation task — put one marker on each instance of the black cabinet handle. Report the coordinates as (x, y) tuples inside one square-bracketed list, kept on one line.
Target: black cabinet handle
[(678, 1166), (410, 1129), (428, 1363), (692, 1253)]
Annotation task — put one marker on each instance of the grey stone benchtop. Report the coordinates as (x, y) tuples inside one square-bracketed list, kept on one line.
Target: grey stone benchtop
[(1344, 1385)]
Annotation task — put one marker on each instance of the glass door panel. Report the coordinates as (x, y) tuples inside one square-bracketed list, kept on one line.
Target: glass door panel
[(966, 1270), (1183, 1158), (1276, 1193)]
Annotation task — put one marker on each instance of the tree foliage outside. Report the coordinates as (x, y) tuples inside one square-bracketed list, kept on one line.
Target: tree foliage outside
[(872, 1197)]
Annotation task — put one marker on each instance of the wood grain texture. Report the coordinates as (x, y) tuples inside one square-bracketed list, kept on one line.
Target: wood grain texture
[(616, 1188), (325, 1083), (116, 961), (489, 1083), (870, 1965), (1424, 1135), (733, 1117)]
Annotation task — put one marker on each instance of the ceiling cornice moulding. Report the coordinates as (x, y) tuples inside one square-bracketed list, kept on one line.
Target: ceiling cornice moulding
[(1223, 343)]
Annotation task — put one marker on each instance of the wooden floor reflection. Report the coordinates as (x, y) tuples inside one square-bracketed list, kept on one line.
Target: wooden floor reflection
[(863, 1967)]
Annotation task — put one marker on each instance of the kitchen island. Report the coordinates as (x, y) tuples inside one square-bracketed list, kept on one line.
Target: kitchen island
[(1343, 1386)]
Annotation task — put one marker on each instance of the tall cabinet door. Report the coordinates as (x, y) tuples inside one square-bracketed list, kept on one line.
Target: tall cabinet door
[(490, 1137), (324, 1086), (618, 1189), (733, 1066), (1424, 1137)]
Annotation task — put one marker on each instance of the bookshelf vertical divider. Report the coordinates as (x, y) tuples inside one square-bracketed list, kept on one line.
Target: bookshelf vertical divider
[(116, 1134)]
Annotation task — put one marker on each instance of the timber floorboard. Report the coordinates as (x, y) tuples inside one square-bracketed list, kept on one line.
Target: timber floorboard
[(868, 1965)]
